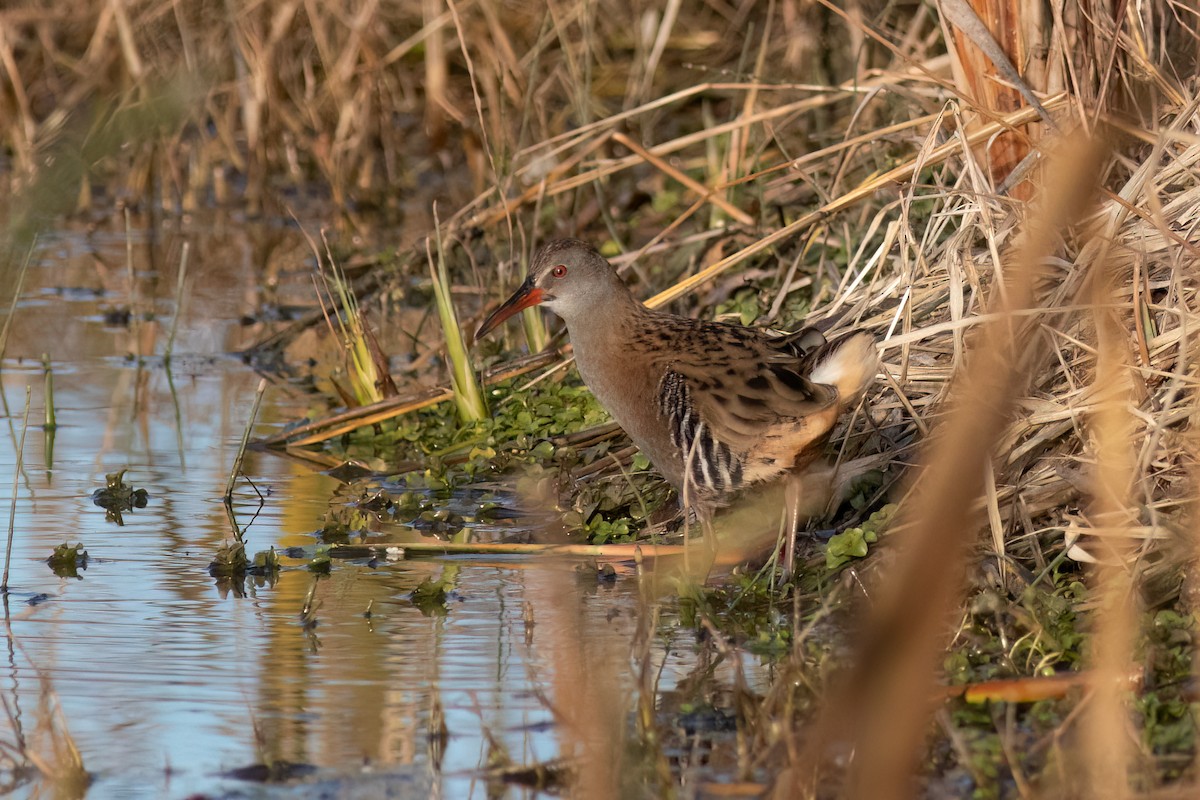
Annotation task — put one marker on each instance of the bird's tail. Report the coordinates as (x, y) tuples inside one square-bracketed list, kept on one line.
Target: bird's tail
[(848, 363)]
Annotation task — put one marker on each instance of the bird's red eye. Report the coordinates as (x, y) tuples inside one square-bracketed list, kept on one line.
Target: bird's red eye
[(559, 272)]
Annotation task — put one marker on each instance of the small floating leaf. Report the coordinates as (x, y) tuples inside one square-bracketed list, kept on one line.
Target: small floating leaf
[(852, 542)]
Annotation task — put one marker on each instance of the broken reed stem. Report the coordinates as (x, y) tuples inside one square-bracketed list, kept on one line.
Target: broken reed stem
[(179, 283), (12, 510), (617, 552), (241, 453), (48, 393)]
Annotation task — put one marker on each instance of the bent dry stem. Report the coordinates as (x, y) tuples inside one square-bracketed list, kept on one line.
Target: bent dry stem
[(12, 511), (241, 454)]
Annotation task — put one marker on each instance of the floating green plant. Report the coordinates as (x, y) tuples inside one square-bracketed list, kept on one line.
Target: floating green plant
[(230, 561), (67, 559), (266, 562), (118, 497), (320, 563), (852, 542)]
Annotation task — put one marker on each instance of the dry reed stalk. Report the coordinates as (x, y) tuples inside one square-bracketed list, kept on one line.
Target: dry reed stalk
[(705, 193), (241, 451), (1104, 759), (553, 145), (900, 173), (988, 37), (711, 132), (19, 284), (885, 710), (180, 282)]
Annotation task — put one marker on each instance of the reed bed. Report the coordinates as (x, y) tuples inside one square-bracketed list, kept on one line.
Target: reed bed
[(1038, 360)]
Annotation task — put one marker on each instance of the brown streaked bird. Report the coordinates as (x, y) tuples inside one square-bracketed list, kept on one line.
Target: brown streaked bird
[(715, 407)]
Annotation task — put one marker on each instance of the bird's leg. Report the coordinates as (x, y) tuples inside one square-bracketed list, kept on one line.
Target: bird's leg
[(806, 493), (793, 492)]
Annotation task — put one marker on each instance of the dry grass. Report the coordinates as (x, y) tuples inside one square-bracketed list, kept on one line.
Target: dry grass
[(899, 222)]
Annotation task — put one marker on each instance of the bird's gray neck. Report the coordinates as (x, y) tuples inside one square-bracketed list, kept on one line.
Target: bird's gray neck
[(605, 324)]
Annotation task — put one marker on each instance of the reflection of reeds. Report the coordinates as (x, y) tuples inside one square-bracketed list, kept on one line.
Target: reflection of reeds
[(12, 510), (54, 752), (180, 282), (587, 703)]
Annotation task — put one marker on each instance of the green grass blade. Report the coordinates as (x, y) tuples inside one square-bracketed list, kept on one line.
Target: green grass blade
[(468, 397)]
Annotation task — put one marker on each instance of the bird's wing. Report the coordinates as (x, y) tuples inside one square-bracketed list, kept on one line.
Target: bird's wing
[(722, 406), (745, 397), (709, 462)]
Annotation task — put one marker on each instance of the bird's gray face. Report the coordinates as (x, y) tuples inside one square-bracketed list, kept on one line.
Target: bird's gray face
[(567, 276)]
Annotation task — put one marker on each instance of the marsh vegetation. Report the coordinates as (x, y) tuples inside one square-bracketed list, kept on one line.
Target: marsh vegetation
[(998, 600)]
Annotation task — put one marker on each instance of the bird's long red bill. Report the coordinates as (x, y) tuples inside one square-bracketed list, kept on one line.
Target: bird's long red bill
[(524, 297)]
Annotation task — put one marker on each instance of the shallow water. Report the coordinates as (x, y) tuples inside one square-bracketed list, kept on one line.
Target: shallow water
[(173, 683)]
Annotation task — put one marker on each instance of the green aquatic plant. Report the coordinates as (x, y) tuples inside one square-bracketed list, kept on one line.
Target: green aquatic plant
[(118, 497), (230, 560), (853, 542), (430, 597), (366, 365), (67, 559), (468, 396), (320, 563), (519, 430), (266, 562)]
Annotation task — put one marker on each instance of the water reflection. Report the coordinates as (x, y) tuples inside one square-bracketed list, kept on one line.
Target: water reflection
[(172, 684)]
